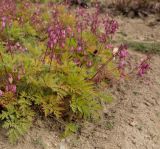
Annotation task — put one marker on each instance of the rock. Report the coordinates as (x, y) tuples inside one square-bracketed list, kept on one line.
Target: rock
[(152, 23), (147, 104), (134, 142), (131, 14), (142, 14), (133, 123), (135, 106)]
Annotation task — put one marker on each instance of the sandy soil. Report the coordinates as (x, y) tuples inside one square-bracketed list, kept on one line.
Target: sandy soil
[(132, 121), (146, 29)]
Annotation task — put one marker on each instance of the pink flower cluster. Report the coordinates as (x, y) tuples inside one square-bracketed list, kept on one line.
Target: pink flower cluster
[(57, 32), (143, 67), (7, 8), (7, 12), (11, 88), (122, 54), (95, 22), (57, 35), (13, 47), (110, 26)]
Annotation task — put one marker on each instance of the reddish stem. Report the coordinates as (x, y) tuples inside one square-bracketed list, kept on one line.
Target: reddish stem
[(102, 67)]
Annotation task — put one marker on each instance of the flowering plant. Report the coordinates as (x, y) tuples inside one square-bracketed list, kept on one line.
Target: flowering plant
[(52, 61)]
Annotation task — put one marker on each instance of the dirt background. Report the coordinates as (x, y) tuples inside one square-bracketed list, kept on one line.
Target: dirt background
[(131, 121)]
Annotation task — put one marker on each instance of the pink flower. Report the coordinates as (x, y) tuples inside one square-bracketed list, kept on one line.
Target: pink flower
[(89, 63), (102, 38), (79, 30), (69, 30), (62, 44), (143, 68), (79, 49), (3, 22), (11, 88), (72, 49), (123, 53), (122, 64), (77, 61), (109, 46), (19, 76), (1, 93), (63, 33)]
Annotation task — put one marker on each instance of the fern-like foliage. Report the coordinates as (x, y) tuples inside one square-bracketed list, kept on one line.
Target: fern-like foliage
[(63, 88), (17, 118), (43, 74), (69, 129)]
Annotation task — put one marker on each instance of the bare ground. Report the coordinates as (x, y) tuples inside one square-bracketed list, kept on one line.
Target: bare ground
[(132, 121)]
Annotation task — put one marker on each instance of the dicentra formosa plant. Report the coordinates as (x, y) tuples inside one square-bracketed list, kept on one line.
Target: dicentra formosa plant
[(51, 61)]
